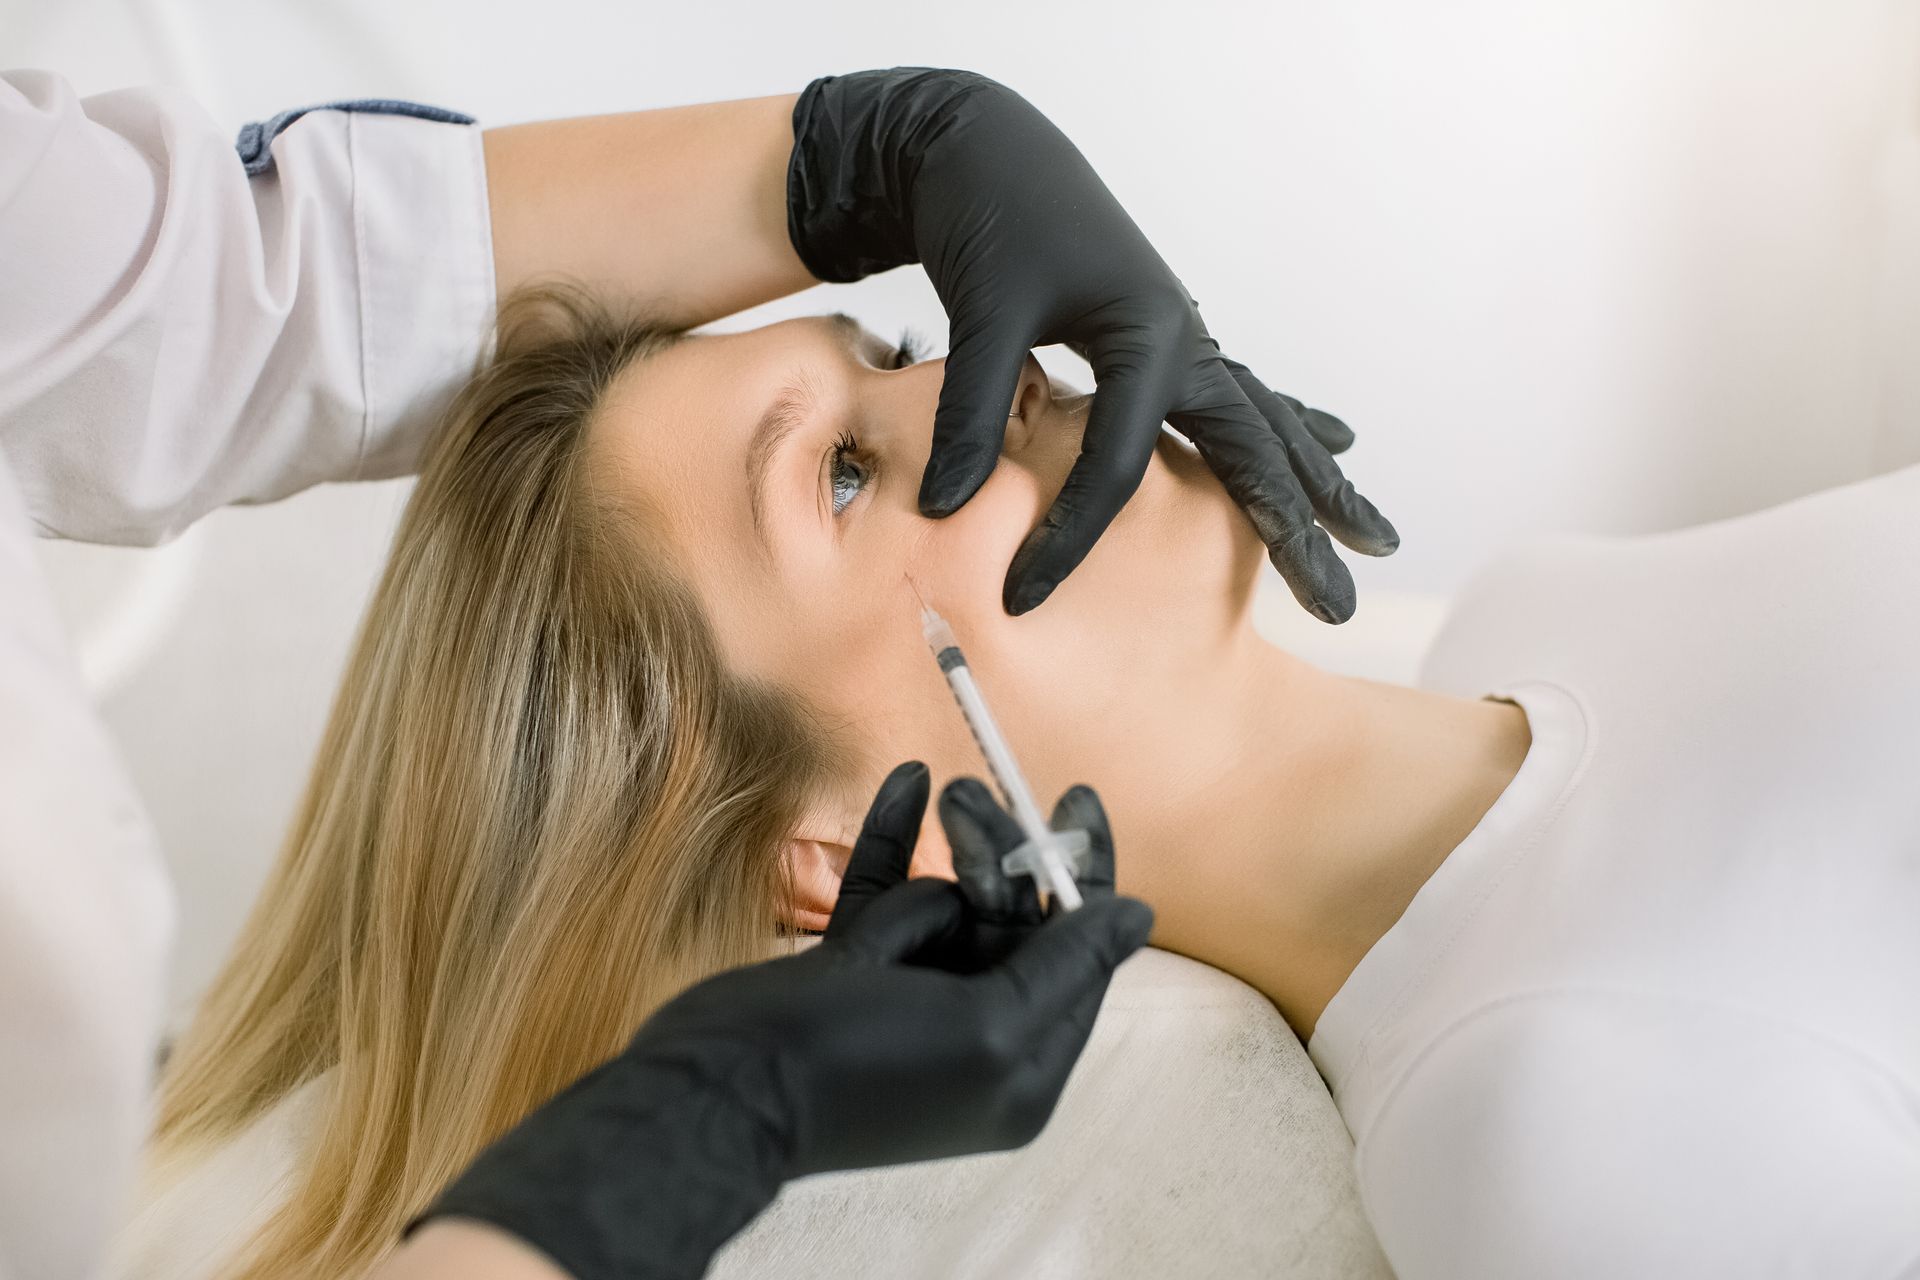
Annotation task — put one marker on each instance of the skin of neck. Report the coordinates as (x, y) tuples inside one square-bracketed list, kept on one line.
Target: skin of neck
[(1304, 813)]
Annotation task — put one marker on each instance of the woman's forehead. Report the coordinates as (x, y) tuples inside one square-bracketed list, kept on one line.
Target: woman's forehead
[(661, 444), (718, 384)]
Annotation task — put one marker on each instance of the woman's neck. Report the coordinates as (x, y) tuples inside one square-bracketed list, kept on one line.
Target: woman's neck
[(1308, 810)]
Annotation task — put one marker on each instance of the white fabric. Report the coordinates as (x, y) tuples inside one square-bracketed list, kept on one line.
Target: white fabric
[(175, 336), (1194, 1139), (192, 1225), (1659, 1015), (85, 918), (172, 337)]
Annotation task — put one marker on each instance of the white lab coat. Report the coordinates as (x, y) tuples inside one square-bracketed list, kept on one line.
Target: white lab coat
[(174, 336)]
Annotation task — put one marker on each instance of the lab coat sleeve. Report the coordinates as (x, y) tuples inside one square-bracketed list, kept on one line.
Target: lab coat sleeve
[(176, 335), (85, 921)]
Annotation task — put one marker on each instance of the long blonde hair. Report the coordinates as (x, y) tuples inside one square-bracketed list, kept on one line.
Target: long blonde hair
[(541, 807)]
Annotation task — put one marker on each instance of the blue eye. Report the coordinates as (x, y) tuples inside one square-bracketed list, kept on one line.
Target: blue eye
[(847, 476)]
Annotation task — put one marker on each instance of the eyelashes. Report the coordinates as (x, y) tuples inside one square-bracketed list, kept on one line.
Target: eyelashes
[(849, 470), (911, 349), (847, 473)]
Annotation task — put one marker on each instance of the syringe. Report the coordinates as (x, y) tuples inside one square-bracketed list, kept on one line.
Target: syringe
[(1050, 857)]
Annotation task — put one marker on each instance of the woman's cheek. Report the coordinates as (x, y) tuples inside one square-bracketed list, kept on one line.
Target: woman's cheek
[(1169, 581)]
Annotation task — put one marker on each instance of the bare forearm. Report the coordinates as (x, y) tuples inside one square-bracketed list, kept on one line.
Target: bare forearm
[(683, 210), (452, 1249)]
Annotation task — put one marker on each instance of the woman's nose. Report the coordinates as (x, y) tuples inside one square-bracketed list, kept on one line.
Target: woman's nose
[(917, 403)]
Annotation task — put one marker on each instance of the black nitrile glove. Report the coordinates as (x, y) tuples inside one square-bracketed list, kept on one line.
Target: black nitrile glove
[(1027, 247), (921, 1026)]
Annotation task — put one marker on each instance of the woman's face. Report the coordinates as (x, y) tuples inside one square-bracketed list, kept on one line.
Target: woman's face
[(781, 469)]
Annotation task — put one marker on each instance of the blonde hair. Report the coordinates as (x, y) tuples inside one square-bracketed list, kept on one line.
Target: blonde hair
[(541, 807)]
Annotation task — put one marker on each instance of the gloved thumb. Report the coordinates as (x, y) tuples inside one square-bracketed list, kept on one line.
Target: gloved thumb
[(983, 370), (979, 831), (1079, 809)]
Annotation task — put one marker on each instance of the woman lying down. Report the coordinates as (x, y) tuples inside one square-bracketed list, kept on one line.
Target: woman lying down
[(1604, 940)]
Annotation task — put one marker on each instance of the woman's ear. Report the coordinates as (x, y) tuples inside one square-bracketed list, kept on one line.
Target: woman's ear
[(814, 868), (817, 859)]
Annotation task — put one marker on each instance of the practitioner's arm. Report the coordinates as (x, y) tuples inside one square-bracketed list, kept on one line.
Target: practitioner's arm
[(185, 327), (682, 210), (453, 1249), (177, 334)]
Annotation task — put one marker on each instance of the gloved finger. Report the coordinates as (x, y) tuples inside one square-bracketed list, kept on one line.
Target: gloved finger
[(980, 833), (920, 915), (1068, 960), (1122, 425), (1342, 511), (1248, 457), (884, 848), (1334, 435), (1080, 809), (976, 391)]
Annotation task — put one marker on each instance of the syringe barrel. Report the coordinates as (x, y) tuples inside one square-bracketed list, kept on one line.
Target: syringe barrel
[(993, 746), (1044, 854)]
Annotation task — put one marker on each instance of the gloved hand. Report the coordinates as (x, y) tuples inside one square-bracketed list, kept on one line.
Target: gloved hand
[(1026, 247), (933, 1019)]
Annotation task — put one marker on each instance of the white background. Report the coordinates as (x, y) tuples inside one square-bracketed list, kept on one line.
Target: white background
[(1610, 266)]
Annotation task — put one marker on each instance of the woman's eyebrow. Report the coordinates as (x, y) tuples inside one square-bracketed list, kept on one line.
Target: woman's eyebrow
[(791, 407)]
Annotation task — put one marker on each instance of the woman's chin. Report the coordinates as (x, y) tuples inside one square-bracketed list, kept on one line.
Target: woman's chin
[(1220, 559)]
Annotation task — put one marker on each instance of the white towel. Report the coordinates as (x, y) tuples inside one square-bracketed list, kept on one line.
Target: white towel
[(1194, 1139)]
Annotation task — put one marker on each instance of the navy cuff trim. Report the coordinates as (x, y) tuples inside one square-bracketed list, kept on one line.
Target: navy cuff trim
[(255, 139)]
